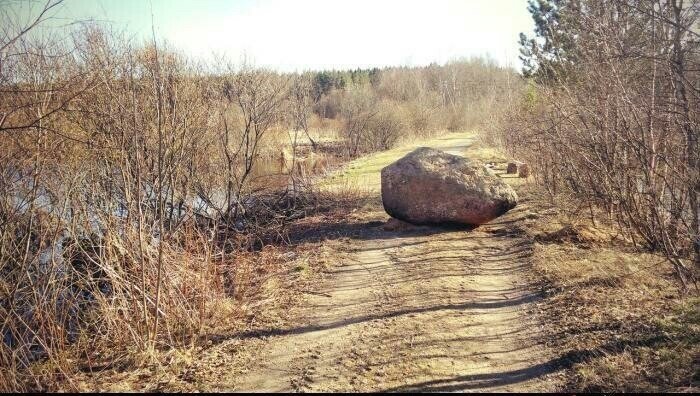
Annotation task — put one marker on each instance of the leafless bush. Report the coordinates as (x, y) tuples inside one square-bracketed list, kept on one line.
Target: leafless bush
[(618, 128), (387, 126), (422, 116), (115, 215), (358, 109)]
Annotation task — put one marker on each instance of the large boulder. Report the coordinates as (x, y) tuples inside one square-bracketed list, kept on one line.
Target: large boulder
[(429, 186)]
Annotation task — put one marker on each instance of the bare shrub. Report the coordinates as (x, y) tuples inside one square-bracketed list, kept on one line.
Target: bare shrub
[(387, 126), (114, 210), (358, 109), (613, 119)]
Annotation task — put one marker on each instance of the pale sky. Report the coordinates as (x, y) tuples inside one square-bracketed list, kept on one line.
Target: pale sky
[(316, 34)]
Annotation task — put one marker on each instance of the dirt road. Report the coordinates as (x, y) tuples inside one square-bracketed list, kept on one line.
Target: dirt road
[(422, 309)]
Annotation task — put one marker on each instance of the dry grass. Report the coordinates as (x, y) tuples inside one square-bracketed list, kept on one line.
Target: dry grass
[(617, 313), (623, 315), (251, 291), (265, 285)]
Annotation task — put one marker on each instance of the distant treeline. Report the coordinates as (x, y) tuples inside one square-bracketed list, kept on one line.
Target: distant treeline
[(378, 107)]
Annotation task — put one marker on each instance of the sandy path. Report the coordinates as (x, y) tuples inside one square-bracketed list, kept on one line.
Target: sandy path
[(424, 309)]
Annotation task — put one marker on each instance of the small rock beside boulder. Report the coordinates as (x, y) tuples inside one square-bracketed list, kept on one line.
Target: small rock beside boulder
[(429, 186), (520, 168), (512, 167), (523, 170)]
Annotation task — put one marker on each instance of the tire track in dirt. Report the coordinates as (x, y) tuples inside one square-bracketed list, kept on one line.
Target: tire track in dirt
[(425, 309), (327, 327)]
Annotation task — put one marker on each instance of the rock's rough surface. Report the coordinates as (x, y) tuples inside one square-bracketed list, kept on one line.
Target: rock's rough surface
[(429, 186)]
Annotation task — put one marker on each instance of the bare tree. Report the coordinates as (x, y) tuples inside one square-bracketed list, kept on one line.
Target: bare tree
[(617, 129)]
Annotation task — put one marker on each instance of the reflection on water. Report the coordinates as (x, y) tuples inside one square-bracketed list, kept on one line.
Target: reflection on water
[(267, 172)]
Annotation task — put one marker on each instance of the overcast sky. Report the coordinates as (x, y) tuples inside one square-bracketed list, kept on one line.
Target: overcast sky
[(293, 35)]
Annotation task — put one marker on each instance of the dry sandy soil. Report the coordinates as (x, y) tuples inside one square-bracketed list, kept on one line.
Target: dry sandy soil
[(419, 308)]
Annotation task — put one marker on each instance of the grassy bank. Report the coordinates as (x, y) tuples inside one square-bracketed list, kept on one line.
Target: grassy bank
[(616, 316)]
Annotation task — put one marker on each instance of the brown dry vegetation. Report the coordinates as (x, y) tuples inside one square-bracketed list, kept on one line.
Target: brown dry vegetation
[(619, 317), (610, 118), (143, 194), (609, 123), (152, 205)]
